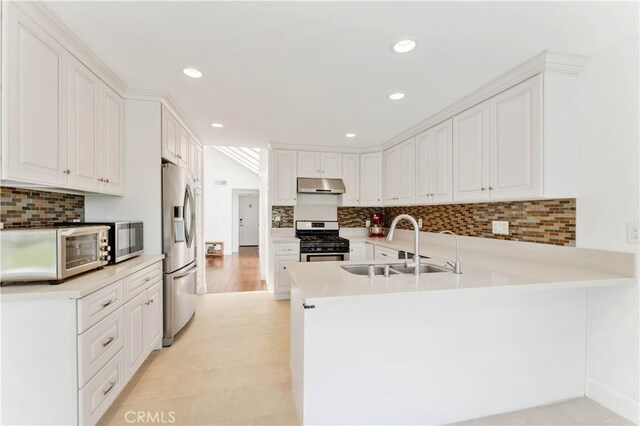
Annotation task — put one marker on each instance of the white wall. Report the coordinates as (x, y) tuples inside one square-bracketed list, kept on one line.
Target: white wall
[(142, 198), (218, 199), (608, 198)]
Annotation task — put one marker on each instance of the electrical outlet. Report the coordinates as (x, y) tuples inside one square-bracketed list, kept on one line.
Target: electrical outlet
[(500, 227), (632, 233), (367, 223), (419, 223), (1, 225)]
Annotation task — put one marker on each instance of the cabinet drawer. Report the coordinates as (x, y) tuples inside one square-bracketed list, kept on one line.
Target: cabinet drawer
[(97, 345), (97, 395), (138, 282), (99, 305), (385, 253), (287, 248)]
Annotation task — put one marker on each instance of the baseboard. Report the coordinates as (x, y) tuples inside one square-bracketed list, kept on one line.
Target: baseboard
[(614, 400)]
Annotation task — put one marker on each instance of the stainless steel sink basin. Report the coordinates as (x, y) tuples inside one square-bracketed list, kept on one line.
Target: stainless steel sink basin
[(364, 269), (424, 269)]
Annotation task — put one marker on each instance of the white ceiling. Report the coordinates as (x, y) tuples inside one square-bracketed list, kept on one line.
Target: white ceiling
[(309, 72)]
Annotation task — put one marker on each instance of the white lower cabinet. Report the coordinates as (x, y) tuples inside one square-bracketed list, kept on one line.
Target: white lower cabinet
[(142, 329), (369, 252), (357, 251), (283, 254), (79, 353), (384, 253)]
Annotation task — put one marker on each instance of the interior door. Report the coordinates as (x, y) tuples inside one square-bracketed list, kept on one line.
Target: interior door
[(249, 220)]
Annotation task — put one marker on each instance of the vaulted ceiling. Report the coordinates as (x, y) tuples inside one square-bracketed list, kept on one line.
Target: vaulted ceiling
[(310, 72)]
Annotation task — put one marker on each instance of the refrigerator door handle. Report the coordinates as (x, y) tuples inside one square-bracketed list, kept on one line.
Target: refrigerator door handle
[(186, 274)]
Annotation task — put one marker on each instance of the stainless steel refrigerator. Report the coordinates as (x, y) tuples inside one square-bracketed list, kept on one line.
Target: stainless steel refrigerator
[(179, 247)]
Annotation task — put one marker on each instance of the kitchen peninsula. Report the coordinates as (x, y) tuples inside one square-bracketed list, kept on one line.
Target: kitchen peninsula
[(506, 334)]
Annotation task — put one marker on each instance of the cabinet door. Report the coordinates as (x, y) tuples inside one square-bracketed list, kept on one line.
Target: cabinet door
[(516, 142), (471, 154), (369, 251), (282, 285), (153, 317), (308, 164), (440, 162), (284, 178), (423, 166), (112, 170), (371, 179), (170, 137), (85, 132), (183, 147), (405, 172), (357, 251), (36, 146), (391, 175), (135, 351), (331, 165), (193, 169), (199, 153), (351, 178)]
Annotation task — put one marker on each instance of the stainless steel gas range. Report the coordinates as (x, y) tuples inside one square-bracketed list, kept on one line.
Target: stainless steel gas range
[(320, 242)]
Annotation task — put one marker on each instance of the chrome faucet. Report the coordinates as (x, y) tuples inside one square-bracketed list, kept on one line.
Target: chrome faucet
[(455, 266), (416, 240)]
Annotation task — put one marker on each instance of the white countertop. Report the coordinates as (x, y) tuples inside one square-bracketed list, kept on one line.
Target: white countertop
[(80, 285), (482, 271)]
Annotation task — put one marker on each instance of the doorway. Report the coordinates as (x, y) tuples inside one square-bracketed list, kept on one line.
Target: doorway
[(249, 220)]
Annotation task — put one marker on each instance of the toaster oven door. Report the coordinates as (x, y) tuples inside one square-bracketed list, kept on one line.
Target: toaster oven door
[(79, 250)]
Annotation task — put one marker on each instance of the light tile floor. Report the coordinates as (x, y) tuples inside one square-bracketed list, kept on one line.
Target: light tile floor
[(230, 366)]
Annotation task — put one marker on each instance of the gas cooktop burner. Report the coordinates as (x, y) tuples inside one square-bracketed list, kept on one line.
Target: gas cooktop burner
[(320, 236), (322, 239)]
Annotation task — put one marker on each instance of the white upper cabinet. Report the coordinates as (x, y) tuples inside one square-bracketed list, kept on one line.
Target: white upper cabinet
[(170, 137), (330, 165), (85, 132), (35, 148), (399, 177), (308, 164), (434, 154), (497, 146), (471, 154), (370, 179), (319, 164), (351, 178), (515, 145), (112, 170), (283, 177), (183, 147)]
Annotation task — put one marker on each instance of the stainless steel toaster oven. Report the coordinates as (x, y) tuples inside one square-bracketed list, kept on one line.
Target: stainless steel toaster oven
[(51, 254)]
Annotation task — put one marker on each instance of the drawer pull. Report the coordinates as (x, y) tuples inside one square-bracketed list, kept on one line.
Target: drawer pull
[(108, 342), (105, 304), (147, 279), (107, 390), (148, 302)]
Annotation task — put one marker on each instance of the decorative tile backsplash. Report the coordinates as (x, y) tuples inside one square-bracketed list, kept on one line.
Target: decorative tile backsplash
[(286, 216), (538, 221), (28, 208), (355, 217)]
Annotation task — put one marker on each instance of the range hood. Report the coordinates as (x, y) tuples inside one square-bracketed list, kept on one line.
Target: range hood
[(320, 186)]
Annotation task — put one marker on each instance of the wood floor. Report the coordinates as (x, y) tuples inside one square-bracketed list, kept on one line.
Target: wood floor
[(237, 272)]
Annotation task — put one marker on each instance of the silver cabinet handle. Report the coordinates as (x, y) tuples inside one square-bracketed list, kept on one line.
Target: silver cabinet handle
[(108, 341), (147, 279), (104, 305), (284, 267), (491, 188), (106, 180), (100, 180), (66, 171), (148, 302), (483, 189), (107, 390)]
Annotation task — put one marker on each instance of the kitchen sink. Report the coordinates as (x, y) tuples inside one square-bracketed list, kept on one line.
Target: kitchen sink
[(424, 269), (364, 269)]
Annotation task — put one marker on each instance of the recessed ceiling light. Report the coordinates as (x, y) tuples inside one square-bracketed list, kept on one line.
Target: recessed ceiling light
[(404, 46), (192, 72), (396, 96), (350, 135), (217, 125)]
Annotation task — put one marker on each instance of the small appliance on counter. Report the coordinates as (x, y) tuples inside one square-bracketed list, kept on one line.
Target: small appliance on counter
[(51, 254), (377, 226), (125, 239)]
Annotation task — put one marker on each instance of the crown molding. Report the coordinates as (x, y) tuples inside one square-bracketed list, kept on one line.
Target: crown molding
[(52, 23), (544, 62), (325, 148)]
